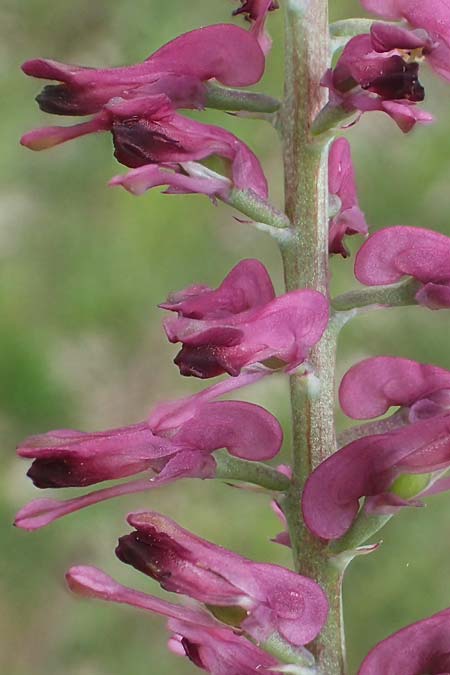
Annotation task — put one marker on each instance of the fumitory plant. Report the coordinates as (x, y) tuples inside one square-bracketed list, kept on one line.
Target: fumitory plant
[(235, 616)]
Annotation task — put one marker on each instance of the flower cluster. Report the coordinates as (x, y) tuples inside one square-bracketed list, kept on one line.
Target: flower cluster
[(242, 617)]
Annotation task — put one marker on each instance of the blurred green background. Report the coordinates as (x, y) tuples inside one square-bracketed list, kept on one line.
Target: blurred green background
[(83, 267)]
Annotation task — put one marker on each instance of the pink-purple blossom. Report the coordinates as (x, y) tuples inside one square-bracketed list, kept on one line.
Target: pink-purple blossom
[(179, 70), (177, 441), (395, 252), (349, 218), (258, 329), (369, 467), (423, 647), (148, 131), (195, 634), (427, 35), (364, 80), (270, 599)]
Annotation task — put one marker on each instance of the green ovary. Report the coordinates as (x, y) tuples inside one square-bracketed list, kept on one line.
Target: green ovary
[(410, 485)]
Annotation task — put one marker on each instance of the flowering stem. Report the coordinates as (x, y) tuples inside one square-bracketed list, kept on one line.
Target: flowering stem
[(236, 99), (305, 258), (395, 295)]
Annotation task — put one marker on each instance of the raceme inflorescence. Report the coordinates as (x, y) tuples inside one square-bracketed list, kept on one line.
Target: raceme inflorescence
[(241, 617)]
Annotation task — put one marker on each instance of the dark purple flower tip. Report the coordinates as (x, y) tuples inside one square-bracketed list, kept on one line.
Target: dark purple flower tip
[(374, 385), (68, 458), (395, 252), (423, 647), (153, 553), (204, 362), (254, 8), (401, 81)]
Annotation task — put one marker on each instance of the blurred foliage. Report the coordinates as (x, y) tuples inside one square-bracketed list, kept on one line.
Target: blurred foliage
[(83, 267)]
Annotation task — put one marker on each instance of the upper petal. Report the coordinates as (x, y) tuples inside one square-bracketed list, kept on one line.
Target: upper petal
[(394, 252), (372, 386)]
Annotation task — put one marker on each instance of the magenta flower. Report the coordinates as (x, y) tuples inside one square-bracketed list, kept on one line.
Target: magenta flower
[(428, 34), (364, 80), (178, 70), (423, 647), (373, 467), (374, 385), (256, 12), (148, 131), (177, 441), (263, 599), (195, 634), (250, 327), (341, 180), (394, 252)]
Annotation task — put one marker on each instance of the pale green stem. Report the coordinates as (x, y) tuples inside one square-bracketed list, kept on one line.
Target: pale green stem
[(352, 27), (256, 208), (233, 468), (305, 258), (364, 527), (237, 100), (395, 295), (399, 419)]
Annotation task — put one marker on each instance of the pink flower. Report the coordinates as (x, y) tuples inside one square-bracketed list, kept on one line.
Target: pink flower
[(427, 35), (373, 467), (253, 327), (423, 647), (394, 252), (195, 634), (256, 12), (365, 80), (178, 70), (341, 180), (271, 598), (262, 599), (177, 441), (148, 131), (374, 385)]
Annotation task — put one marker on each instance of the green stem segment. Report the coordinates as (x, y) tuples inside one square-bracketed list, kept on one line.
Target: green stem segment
[(233, 468), (395, 295), (239, 100), (305, 258)]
